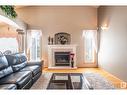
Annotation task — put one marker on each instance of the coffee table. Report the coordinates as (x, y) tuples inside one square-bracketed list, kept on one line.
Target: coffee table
[(68, 81)]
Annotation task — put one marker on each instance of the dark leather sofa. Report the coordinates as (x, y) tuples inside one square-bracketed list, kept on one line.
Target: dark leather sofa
[(17, 73)]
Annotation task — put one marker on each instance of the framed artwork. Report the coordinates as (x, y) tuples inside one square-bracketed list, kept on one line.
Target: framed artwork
[(62, 38)]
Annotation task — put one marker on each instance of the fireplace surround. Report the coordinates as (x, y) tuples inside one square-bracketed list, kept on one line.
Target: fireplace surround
[(59, 56)]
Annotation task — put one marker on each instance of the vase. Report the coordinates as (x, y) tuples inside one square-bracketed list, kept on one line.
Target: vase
[(72, 63), (49, 40)]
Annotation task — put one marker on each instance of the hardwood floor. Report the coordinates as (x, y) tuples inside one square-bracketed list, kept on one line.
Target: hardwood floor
[(117, 82)]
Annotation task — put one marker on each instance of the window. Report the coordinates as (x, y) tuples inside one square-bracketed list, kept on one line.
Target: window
[(9, 44), (89, 45), (35, 49)]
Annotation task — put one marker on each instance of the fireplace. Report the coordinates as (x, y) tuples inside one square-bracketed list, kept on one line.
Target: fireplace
[(59, 56), (62, 58)]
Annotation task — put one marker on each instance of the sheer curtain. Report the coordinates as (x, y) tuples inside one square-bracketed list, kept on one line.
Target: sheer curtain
[(34, 45), (90, 46)]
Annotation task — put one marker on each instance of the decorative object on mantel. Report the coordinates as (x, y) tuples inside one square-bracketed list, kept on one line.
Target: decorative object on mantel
[(72, 59), (49, 40), (62, 38), (52, 41)]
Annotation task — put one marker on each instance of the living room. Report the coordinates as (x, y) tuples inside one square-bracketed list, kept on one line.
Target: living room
[(37, 32)]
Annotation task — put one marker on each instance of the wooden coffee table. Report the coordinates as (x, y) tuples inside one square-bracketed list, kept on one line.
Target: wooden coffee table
[(68, 81)]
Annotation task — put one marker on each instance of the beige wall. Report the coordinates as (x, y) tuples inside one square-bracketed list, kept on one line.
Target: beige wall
[(113, 45), (52, 20), (8, 31)]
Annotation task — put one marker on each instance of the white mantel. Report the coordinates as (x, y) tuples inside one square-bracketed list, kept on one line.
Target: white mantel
[(60, 48)]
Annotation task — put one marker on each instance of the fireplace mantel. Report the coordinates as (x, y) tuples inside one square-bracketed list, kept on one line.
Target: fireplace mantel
[(60, 48)]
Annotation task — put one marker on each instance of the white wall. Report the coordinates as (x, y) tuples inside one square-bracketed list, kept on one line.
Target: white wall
[(113, 44), (52, 20)]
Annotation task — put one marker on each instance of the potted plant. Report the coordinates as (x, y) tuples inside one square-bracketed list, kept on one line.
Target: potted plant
[(9, 10)]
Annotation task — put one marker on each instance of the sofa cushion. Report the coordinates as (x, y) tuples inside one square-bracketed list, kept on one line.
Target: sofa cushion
[(18, 78), (4, 68), (6, 71), (16, 58), (35, 69), (19, 66), (8, 86), (17, 61)]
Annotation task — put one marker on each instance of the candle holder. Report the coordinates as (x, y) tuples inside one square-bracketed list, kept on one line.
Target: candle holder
[(52, 41), (49, 40)]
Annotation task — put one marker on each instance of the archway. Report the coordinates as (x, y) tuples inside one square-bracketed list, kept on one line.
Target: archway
[(19, 27)]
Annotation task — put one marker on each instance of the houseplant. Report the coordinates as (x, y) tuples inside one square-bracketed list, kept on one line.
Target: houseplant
[(9, 10)]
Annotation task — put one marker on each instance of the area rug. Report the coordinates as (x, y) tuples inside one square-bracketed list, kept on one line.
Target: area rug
[(98, 82), (42, 82), (94, 79)]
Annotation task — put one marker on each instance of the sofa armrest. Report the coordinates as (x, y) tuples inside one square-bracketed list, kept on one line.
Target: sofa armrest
[(30, 63)]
